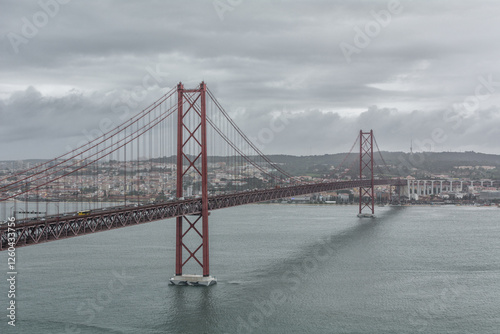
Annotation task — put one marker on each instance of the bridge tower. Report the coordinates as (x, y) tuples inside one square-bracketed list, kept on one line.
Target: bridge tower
[(192, 161), (366, 194)]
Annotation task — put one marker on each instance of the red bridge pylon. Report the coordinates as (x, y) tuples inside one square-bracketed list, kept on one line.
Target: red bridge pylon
[(366, 194), (192, 161)]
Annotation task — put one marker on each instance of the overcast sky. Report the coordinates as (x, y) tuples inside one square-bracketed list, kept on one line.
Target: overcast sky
[(422, 70)]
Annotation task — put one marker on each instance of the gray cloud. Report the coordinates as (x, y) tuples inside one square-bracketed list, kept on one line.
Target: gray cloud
[(262, 58), (315, 132)]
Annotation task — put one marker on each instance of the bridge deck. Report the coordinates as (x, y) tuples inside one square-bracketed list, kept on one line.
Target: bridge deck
[(54, 228)]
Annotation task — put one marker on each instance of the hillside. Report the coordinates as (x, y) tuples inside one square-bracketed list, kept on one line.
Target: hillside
[(400, 163)]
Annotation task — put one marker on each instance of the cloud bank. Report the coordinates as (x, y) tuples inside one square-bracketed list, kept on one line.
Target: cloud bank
[(421, 71)]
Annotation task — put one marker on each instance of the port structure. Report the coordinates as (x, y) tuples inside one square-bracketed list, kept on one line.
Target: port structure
[(366, 193), (192, 159)]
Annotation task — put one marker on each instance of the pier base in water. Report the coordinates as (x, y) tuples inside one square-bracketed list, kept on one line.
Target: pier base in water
[(193, 280), (366, 215)]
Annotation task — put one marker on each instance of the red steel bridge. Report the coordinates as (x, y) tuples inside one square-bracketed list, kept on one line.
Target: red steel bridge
[(181, 157)]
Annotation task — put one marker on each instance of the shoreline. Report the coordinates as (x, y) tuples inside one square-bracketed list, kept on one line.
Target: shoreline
[(378, 206)]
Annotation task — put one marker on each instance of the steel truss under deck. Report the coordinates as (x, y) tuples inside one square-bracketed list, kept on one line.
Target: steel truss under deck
[(39, 231)]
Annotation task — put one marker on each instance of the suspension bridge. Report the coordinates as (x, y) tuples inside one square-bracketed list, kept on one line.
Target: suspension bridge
[(181, 157)]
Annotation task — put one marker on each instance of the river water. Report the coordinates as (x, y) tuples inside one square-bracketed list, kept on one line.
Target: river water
[(280, 269)]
